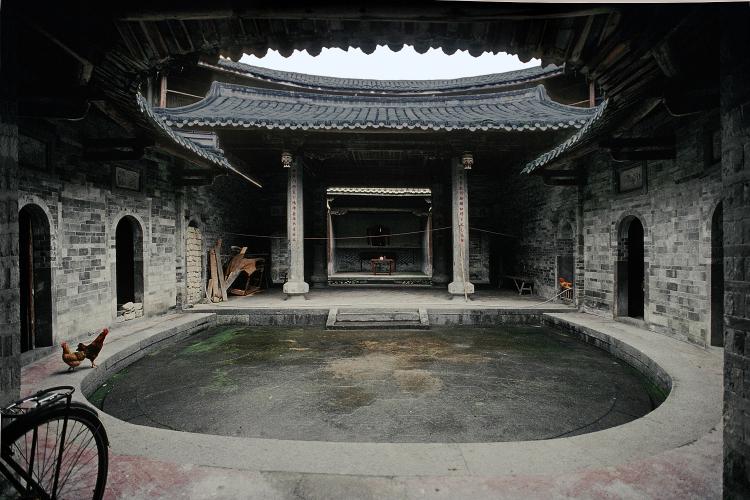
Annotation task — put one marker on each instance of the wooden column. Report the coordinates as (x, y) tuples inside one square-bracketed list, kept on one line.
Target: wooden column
[(295, 285), (163, 92), (461, 285)]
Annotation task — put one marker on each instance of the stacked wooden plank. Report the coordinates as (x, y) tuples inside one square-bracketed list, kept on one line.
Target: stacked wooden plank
[(222, 278)]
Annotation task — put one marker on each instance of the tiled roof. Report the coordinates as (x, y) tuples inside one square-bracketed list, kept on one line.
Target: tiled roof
[(396, 86), (233, 106), (378, 191), (211, 154), (572, 142)]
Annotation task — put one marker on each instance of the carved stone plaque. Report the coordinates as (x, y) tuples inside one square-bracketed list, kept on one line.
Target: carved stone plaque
[(127, 179), (630, 178)]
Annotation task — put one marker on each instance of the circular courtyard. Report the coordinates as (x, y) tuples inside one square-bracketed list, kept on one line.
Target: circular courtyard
[(457, 384)]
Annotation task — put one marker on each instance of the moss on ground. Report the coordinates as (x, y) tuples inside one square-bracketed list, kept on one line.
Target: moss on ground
[(213, 342), (98, 397)]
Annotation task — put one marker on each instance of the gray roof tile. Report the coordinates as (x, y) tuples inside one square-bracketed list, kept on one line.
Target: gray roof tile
[(228, 105), (571, 143), (331, 83), (203, 147)]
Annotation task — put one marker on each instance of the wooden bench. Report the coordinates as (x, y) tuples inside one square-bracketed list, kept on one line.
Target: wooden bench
[(523, 284)]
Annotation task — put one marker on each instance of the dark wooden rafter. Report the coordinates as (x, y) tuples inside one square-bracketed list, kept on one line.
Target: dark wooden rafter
[(385, 12), (568, 175), (640, 148), (87, 67), (622, 47), (120, 148), (69, 107)]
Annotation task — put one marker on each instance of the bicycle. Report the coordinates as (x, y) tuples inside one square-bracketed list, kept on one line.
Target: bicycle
[(53, 447)]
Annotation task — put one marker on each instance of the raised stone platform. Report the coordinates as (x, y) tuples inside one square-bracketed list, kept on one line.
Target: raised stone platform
[(364, 279)]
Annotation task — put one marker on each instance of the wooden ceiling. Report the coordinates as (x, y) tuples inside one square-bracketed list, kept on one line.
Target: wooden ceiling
[(75, 54)]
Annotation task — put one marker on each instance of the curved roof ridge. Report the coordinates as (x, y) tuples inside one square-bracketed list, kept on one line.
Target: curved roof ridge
[(211, 154), (570, 143), (233, 105), (334, 83)]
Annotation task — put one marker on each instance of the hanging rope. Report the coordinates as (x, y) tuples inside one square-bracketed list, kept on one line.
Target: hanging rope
[(336, 238), (493, 232), (542, 303), (365, 237)]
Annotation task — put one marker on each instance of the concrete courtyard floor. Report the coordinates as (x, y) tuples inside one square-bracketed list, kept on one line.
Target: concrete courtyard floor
[(672, 452), (447, 384)]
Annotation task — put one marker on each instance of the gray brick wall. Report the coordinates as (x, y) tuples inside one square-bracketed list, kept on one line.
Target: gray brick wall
[(9, 299), (84, 207), (537, 214), (675, 210), (735, 120), (9, 278)]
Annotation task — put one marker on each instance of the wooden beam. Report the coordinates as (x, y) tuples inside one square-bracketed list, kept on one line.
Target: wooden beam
[(163, 92), (87, 67), (57, 107), (117, 148), (213, 284), (651, 154), (113, 155), (687, 102), (117, 143), (220, 271), (560, 181), (639, 143), (436, 14)]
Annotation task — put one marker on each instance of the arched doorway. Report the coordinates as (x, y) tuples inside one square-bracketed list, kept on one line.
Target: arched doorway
[(717, 277), (35, 278), (630, 269), (194, 263), (129, 261)]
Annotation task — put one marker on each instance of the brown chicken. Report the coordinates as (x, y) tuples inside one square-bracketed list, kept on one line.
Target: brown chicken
[(565, 284), (92, 350), (72, 359)]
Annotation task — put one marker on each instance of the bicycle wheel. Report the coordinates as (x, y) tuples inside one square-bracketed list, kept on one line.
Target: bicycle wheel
[(82, 463)]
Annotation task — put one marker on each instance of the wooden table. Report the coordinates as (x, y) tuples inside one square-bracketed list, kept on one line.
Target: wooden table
[(375, 262), (523, 284)]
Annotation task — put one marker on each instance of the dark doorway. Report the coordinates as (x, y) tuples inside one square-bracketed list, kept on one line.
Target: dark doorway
[(565, 261), (129, 261), (717, 277), (630, 269), (35, 278)]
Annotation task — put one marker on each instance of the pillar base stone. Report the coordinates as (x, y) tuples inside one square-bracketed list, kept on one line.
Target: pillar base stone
[(457, 288), (298, 288)]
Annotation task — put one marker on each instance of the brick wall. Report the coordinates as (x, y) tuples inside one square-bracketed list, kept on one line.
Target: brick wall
[(9, 299), (543, 220), (675, 208), (194, 264), (735, 120), (84, 207)]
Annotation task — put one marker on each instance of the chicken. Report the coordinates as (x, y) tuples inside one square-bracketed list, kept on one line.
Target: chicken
[(72, 359), (565, 284), (92, 350)]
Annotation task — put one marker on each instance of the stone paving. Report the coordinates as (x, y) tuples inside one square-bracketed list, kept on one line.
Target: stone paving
[(437, 297), (469, 384), (673, 452)]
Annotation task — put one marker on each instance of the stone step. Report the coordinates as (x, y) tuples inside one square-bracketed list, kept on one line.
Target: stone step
[(376, 315), (377, 319)]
